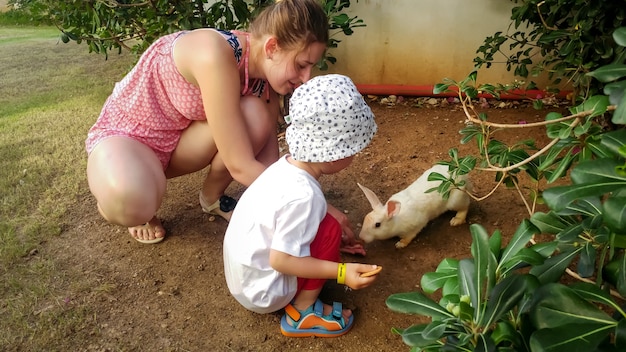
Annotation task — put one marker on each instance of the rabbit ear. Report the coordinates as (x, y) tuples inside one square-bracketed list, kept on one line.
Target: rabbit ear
[(373, 199), (393, 208)]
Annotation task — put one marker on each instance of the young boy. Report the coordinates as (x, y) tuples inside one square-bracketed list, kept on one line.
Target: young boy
[(281, 245)]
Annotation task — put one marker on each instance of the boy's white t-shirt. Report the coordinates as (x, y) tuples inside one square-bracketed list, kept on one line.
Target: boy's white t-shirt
[(281, 210)]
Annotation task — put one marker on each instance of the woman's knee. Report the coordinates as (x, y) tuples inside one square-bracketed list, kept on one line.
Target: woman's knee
[(127, 182), (261, 119)]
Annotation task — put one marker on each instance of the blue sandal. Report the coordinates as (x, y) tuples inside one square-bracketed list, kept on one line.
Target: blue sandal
[(313, 322)]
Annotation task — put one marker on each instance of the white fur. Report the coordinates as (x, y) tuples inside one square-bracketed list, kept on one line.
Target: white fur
[(407, 212)]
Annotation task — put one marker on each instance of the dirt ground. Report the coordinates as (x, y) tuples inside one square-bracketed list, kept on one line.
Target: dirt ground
[(173, 297)]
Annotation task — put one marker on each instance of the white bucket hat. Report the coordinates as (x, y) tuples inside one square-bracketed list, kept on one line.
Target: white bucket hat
[(329, 120)]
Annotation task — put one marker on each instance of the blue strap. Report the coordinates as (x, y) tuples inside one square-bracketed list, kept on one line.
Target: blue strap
[(318, 308), (337, 310)]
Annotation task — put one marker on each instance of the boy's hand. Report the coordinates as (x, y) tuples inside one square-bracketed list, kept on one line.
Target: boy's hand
[(349, 243), (354, 279)]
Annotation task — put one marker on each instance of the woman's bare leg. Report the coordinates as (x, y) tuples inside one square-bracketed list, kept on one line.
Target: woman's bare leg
[(128, 182)]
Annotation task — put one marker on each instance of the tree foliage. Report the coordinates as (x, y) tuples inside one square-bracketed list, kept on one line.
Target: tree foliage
[(565, 38), (106, 25)]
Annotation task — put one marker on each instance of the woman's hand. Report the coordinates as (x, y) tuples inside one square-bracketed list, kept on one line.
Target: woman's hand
[(349, 243)]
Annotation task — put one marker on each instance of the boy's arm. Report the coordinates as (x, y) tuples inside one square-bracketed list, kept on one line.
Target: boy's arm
[(313, 268)]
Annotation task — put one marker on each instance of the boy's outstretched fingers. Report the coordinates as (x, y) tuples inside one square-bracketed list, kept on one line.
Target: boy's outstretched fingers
[(352, 249)]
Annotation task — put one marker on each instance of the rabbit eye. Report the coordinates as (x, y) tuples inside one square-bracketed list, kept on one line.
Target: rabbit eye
[(377, 225)]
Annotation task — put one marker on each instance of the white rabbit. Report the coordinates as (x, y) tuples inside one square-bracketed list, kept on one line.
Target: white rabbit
[(407, 212)]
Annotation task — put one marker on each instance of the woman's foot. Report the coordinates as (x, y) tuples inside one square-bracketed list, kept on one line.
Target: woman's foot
[(223, 207), (150, 232)]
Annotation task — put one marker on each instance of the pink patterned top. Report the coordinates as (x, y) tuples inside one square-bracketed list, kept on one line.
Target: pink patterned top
[(154, 103)]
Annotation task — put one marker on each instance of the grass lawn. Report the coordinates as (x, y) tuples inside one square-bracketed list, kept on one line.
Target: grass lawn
[(50, 94)]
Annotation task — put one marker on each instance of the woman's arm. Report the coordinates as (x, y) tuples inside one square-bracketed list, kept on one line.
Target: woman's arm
[(206, 60)]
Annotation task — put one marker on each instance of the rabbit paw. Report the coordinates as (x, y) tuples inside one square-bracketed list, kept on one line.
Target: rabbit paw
[(402, 243), (459, 218), (456, 221)]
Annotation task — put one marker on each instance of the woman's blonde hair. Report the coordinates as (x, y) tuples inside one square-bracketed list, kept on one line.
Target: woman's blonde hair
[(295, 23)]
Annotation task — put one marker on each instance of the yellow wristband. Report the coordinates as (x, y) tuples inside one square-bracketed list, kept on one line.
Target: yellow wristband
[(341, 273)]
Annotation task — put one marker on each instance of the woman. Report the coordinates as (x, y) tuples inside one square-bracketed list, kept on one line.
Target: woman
[(198, 98)]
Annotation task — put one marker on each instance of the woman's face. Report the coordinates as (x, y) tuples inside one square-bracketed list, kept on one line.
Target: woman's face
[(289, 69)]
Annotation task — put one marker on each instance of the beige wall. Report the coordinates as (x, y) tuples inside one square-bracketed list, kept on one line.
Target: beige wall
[(3, 5), (420, 42)]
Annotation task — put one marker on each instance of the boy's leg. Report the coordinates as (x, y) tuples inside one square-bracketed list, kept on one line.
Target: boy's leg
[(299, 320), (325, 246)]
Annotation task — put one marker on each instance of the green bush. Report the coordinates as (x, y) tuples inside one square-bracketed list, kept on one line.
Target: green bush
[(564, 38), (514, 299)]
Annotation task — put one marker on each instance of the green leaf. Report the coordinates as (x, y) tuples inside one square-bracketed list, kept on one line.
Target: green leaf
[(548, 222), (589, 206), (556, 305), (554, 267), (484, 274), (485, 344), (441, 88), (597, 171), (597, 183), (412, 336), (597, 104), (505, 332), (546, 249), (416, 303), (504, 296), (587, 260), (524, 256), (567, 321), (569, 337), (431, 282), (562, 166), (619, 35), (620, 335), (451, 286), (548, 160), (609, 73), (434, 330), (594, 145), (615, 91), (621, 276), (592, 293), (619, 115), (447, 264), (614, 140), (495, 243), (466, 312), (467, 285), (615, 213), (551, 36), (435, 176), (523, 234), (619, 241), (570, 234)]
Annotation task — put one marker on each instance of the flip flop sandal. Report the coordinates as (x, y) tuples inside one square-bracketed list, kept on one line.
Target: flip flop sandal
[(153, 241), (156, 240), (313, 322), (223, 207)]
